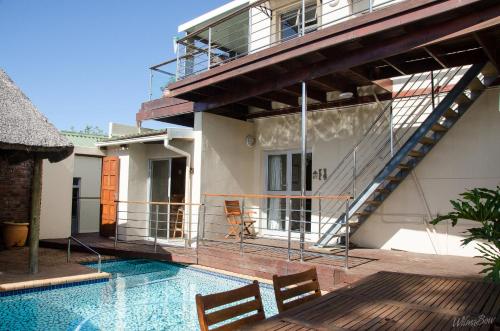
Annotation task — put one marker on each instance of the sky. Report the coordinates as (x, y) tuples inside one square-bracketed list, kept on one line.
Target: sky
[(85, 62)]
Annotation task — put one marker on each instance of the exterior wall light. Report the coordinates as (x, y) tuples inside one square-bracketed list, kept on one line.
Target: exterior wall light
[(250, 141)]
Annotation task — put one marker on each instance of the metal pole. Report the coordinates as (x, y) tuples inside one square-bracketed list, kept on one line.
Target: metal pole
[(168, 219), (346, 234), (69, 250), (391, 130), (177, 63), (242, 224), (432, 87), (319, 216), (209, 47), (289, 228), (117, 213), (303, 165), (198, 230), (150, 84), (204, 216), (354, 172), (370, 5), (303, 32), (156, 226)]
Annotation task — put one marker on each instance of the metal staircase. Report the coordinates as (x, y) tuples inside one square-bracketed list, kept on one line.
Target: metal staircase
[(424, 109)]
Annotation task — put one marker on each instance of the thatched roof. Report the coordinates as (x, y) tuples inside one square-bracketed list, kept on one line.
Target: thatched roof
[(24, 131)]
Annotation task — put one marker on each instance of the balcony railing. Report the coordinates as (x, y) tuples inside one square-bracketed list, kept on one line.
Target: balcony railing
[(250, 29)]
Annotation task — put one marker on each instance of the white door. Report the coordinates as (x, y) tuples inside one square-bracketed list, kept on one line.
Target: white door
[(283, 172)]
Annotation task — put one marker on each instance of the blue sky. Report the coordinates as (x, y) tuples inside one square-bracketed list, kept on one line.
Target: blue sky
[(85, 62)]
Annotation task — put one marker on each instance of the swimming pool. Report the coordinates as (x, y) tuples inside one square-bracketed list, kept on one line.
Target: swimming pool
[(142, 295)]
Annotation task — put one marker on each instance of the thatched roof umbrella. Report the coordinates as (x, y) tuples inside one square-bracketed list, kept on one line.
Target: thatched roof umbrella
[(26, 134)]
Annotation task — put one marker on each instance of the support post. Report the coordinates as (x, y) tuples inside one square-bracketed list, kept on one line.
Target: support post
[(150, 84), (117, 213), (169, 210), (303, 18), (36, 200), (303, 164), (209, 54), (354, 172), (156, 226), (319, 216), (289, 249), (242, 225), (346, 265), (69, 250)]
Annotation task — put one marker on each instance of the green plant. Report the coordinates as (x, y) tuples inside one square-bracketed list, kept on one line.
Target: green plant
[(483, 206)]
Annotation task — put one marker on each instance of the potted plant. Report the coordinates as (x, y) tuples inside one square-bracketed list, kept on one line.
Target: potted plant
[(480, 205), (15, 234)]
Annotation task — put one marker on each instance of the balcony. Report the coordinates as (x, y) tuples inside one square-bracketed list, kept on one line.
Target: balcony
[(249, 29)]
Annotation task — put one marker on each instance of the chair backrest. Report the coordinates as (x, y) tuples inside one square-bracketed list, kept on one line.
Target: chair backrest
[(296, 289), (212, 301), (232, 209)]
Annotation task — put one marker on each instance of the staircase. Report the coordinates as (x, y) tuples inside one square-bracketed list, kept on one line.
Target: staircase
[(424, 109)]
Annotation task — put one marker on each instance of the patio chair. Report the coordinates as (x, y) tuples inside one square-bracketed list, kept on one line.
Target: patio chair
[(296, 289), (235, 218), (217, 300)]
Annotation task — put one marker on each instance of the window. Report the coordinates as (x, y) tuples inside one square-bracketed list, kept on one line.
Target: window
[(283, 177), (291, 21)]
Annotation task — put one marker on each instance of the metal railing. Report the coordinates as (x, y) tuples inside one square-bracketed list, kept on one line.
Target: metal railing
[(390, 129), (250, 29), (267, 224), (71, 238), (164, 223)]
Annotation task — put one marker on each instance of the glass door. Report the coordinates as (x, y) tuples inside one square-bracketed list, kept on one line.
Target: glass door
[(283, 178), (159, 191)]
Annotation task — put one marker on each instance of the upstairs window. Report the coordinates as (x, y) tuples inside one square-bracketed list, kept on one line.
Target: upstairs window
[(291, 21)]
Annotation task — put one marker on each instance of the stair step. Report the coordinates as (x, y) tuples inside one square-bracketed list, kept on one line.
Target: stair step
[(404, 166), (394, 178), (439, 128), (416, 154), (450, 113), (361, 213), (383, 190), (427, 141), (461, 99), (373, 202), (476, 85)]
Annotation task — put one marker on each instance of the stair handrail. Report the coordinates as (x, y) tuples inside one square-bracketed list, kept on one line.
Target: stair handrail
[(99, 259)]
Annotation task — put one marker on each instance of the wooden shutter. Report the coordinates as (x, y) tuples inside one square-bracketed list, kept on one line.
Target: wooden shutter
[(109, 193)]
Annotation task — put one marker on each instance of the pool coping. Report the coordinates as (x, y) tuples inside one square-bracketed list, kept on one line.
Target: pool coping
[(8, 289)]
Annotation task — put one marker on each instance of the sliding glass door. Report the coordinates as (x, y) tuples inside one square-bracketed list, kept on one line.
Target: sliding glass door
[(283, 172)]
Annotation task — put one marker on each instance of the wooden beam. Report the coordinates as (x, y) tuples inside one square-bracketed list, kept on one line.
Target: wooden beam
[(258, 102), (323, 106), (312, 92), (434, 56), (278, 96), (386, 48), (36, 200), (489, 48), (336, 83)]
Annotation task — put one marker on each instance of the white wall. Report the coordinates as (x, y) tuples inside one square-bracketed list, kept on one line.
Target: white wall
[(88, 168), (467, 157), (55, 214)]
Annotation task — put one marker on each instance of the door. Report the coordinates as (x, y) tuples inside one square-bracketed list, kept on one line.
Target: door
[(159, 191), (109, 193), (283, 171)]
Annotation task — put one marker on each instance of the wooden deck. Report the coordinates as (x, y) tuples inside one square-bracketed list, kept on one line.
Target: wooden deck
[(264, 257), (397, 301)]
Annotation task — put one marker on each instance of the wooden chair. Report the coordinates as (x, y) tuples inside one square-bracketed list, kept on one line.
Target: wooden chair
[(235, 218), (211, 301), (296, 289)]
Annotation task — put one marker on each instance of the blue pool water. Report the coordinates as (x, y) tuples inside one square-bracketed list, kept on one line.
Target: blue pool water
[(143, 295)]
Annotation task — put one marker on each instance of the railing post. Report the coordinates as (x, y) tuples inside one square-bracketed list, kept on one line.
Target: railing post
[(289, 227), (209, 55), (432, 90), (69, 250), (242, 224), (303, 18), (370, 5), (354, 164), (156, 226), (117, 219), (177, 63), (198, 228), (391, 130), (319, 216), (346, 265), (150, 84)]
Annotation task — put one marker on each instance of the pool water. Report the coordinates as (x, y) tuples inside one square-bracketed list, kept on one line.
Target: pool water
[(142, 295)]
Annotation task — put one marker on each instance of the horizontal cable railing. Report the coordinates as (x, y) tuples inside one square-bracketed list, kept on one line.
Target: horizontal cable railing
[(250, 29), (390, 129)]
